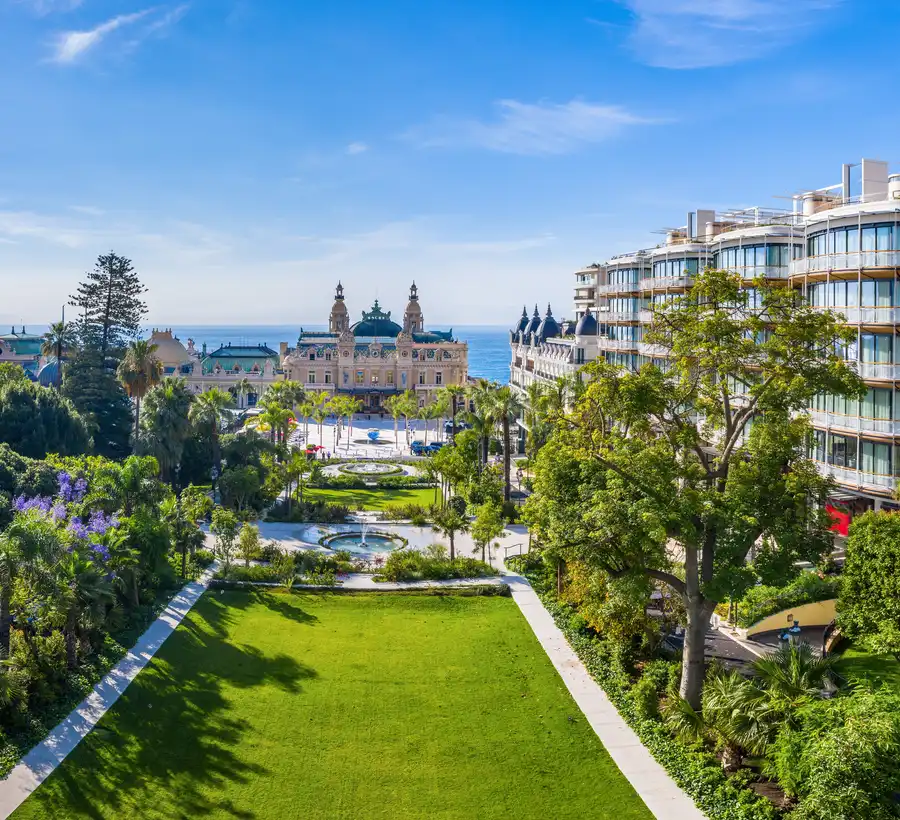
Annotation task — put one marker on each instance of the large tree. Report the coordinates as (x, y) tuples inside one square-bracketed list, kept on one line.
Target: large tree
[(57, 341), (35, 422), (110, 303), (679, 474)]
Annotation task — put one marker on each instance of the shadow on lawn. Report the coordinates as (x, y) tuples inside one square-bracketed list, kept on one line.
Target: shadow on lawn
[(172, 739)]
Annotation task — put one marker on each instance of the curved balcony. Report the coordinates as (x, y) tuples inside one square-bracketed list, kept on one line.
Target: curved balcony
[(857, 479), (855, 424), (845, 261), (624, 287), (651, 350), (616, 344), (618, 316), (870, 370), (761, 271), (664, 282), (868, 315)]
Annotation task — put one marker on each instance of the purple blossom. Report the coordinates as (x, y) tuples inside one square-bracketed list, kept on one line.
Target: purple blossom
[(23, 504), (99, 523), (99, 549), (58, 511), (77, 527), (80, 489), (65, 485)]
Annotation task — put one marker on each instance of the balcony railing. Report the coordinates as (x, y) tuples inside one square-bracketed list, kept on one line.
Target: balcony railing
[(645, 317), (868, 315), (762, 271), (648, 349), (624, 287), (859, 424), (618, 316), (870, 370), (857, 479), (650, 283), (845, 261), (616, 344)]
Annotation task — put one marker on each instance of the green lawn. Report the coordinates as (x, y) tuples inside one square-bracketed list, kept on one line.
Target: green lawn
[(373, 499), (856, 662), (275, 706)]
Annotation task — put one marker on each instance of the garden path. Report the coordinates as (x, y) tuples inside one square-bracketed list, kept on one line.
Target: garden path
[(648, 778), (40, 762)]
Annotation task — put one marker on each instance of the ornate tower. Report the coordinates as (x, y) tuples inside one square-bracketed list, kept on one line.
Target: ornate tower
[(412, 319), (338, 321)]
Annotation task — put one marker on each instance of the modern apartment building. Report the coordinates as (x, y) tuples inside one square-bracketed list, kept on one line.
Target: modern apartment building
[(838, 245)]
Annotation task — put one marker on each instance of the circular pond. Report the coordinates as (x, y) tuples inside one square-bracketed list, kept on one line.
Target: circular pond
[(370, 468), (360, 543)]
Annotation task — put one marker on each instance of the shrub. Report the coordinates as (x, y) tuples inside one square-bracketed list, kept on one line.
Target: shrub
[(203, 558), (646, 699), (256, 572), (410, 565), (317, 511), (806, 588)]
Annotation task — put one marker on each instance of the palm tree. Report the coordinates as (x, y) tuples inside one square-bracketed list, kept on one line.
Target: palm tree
[(424, 413), (452, 394), (409, 406), (165, 423), (277, 417), (449, 521), (351, 407), (484, 417), (507, 407), (242, 388), (80, 589), (537, 401), (57, 340), (306, 408), (394, 406), (320, 411), (287, 393), (138, 371), (208, 410), (793, 673)]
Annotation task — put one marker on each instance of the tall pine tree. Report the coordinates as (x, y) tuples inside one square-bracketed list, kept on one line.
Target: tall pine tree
[(111, 310)]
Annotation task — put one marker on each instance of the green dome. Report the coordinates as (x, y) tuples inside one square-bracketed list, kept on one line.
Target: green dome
[(376, 323)]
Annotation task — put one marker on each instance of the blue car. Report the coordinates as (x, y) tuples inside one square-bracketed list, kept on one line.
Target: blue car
[(434, 446), (418, 448)]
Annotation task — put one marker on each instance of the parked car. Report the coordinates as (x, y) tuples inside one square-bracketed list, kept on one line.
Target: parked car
[(418, 448), (434, 446)]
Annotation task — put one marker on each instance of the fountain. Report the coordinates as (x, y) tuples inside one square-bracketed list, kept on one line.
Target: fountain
[(364, 541)]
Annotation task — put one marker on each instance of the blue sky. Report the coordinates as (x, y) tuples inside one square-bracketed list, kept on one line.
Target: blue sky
[(246, 155)]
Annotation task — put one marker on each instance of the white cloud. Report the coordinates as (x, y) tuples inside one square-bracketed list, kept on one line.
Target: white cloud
[(357, 148), (702, 33), (18, 226), (73, 44), (530, 128)]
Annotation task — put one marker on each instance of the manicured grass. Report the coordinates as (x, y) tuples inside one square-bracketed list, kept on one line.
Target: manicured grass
[(373, 499), (856, 662), (276, 706)]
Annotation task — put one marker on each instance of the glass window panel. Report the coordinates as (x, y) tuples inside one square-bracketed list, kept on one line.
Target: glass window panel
[(868, 238), (883, 237), (868, 292), (840, 241), (852, 240), (853, 293), (883, 348), (883, 292)]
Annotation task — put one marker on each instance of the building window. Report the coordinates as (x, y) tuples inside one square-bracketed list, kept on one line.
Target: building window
[(374, 378), (327, 355), (403, 379), (312, 356), (327, 378), (421, 377), (389, 379), (311, 377), (439, 377), (360, 377), (346, 378)]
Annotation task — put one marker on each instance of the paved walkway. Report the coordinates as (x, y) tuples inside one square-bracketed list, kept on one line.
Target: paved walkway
[(658, 791), (38, 764)]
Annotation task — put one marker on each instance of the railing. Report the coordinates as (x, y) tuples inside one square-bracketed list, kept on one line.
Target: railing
[(761, 271), (518, 547), (616, 344), (648, 349), (645, 316), (650, 283), (625, 287), (869, 315), (855, 423), (618, 316), (856, 478), (870, 370), (845, 261)]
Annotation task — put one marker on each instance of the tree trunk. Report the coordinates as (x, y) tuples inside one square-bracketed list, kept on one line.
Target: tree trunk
[(699, 611), (135, 592), (506, 458), (137, 418), (452, 546)]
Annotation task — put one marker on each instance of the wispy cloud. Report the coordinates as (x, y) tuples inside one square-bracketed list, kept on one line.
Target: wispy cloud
[(71, 46), (703, 33), (530, 128), (43, 7), (357, 148)]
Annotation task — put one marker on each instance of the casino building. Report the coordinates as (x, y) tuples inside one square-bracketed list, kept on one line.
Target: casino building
[(376, 357)]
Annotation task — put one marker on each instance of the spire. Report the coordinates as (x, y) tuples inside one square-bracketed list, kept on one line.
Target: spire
[(339, 292), (524, 312), (549, 312), (537, 313), (413, 292)]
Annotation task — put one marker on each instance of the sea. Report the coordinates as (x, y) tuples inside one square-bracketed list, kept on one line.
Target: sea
[(488, 344)]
